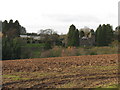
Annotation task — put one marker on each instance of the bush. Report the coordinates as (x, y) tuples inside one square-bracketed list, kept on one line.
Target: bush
[(104, 50), (70, 51), (47, 46), (114, 43), (55, 52), (93, 53), (45, 54), (26, 53), (36, 51), (32, 50), (11, 48)]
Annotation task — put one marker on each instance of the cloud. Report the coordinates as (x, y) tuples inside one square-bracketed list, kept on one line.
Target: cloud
[(64, 18)]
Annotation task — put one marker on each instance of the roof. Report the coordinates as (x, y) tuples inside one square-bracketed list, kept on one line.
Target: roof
[(84, 37)]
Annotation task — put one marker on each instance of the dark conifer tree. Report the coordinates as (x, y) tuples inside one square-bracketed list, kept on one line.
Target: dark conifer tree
[(82, 34), (71, 36), (104, 35), (77, 37)]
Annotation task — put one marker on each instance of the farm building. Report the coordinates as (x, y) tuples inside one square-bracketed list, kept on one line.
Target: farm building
[(87, 41)]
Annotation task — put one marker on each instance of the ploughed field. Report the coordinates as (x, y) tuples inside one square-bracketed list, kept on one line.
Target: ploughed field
[(87, 71)]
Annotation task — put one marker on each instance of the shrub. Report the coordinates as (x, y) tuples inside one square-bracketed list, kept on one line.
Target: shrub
[(70, 51), (47, 46), (55, 52), (45, 54), (93, 53), (114, 44)]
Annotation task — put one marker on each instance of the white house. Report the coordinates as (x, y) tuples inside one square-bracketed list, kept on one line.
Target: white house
[(29, 36)]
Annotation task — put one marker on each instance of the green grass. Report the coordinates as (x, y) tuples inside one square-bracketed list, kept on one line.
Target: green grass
[(10, 76), (108, 87), (112, 86), (67, 85), (104, 50), (14, 77), (37, 51), (35, 45)]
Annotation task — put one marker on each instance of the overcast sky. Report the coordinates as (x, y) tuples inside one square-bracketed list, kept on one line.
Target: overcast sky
[(60, 14)]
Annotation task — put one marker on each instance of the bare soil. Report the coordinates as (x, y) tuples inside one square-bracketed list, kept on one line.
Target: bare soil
[(87, 71)]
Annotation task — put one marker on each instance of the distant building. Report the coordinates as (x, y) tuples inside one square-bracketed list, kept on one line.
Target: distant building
[(30, 36), (87, 41), (24, 36)]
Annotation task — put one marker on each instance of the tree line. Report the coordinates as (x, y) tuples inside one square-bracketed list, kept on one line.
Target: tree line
[(12, 43), (104, 35)]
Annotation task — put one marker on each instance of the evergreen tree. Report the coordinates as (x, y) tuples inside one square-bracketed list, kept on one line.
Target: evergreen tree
[(109, 36), (72, 37), (6, 48), (4, 27), (17, 27), (11, 24), (98, 35), (118, 33), (76, 37), (10, 43), (82, 34), (104, 35)]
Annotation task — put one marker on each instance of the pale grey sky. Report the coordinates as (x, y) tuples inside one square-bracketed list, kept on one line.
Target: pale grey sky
[(60, 14)]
